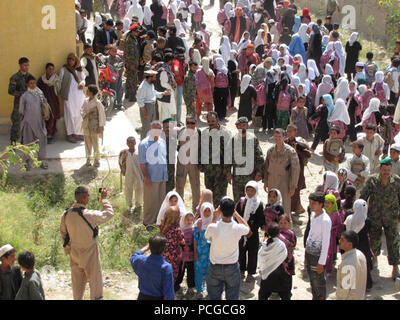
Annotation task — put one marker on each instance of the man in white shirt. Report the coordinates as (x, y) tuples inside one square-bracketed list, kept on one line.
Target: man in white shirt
[(352, 272), (317, 245), (224, 235), (373, 147), (357, 165)]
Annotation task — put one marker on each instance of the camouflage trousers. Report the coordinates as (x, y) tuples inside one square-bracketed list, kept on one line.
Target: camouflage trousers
[(389, 226), (238, 185), (131, 84), (170, 185), (215, 180), (16, 119), (190, 109)]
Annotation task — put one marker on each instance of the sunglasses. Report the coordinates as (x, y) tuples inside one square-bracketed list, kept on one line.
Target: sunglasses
[(187, 122)]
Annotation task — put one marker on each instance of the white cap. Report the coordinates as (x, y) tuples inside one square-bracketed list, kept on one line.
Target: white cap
[(6, 248), (395, 146), (271, 21)]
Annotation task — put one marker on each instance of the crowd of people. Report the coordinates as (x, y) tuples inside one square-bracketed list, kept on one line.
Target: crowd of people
[(293, 77)]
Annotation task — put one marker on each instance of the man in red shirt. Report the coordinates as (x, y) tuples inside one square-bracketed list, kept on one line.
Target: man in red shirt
[(178, 70)]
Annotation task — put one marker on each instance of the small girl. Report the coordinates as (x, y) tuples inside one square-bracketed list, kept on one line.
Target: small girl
[(284, 97), (94, 120), (348, 201), (289, 237), (205, 196), (299, 118), (271, 257), (171, 199), (320, 116), (274, 208), (202, 247), (186, 225), (381, 89), (337, 226), (172, 232), (343, 182), (251, 209)]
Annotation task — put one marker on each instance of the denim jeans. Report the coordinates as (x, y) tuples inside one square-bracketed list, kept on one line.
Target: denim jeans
[(220, 276), (317, 281), (179, 93)]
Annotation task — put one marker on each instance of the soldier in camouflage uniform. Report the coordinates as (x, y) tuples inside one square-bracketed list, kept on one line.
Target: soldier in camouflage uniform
[(131, 62), (16, 88), (237, 179), (383, 192), (189, 88), (215, 175), (170, 140)]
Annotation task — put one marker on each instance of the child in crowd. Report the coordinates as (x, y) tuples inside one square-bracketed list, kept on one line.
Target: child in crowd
[(251, 209), (273, 210), (349, 196), (284, 97), (389, 129), (333, 150), (360, 77), (94, 120), (130, 168), (10, 275), (206, 195), (371, 68), (331, 209), (31, 286), (321, 117), (395, 156), (187, 226), (299, 118), (202, 247), (330, 186), (373, 147), (357, 165), (271, 262), (171, 230), (289, 237), (343, 182), (171, 199)]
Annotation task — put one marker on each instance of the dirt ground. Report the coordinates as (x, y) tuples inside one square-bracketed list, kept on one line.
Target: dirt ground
[(124, 285)]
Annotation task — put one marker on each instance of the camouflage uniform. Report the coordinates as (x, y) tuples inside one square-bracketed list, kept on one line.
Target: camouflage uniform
[(16, 88), (170, 185), (239, 181), (131, 58), (215, 177), (383, 211), (189, 92)]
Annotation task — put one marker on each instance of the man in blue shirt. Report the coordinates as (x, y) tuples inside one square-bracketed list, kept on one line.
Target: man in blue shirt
[(156, 278), (153, 163)]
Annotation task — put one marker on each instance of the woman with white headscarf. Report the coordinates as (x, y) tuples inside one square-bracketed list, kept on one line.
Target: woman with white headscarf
[(127, 24), (358, 222), (98, 21), (304, 35), (259, 43), (325, 87), (233, 76), (311, 64), (251, 209), (353, 49), (180, 32), (342, 57), (271, 256), (342, 90), (204, 84), (248, 97), (324, 42), (330, 185), (340, 117), (381, 88), (221, 89), (302, 73), (171, 199), (135, 10), (225, 48), (369, 115), (244, 41)]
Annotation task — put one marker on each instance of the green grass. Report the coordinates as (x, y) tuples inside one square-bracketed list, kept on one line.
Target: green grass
[(31, 214)]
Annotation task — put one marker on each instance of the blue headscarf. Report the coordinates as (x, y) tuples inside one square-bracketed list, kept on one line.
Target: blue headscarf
[(297, 23), (329, 104), (296, 46)]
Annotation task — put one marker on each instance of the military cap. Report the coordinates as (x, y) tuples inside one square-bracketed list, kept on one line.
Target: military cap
[(242, 120), (386, 162)]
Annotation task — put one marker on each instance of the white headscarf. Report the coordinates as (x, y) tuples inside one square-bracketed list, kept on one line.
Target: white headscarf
[(271, 257), (303, 33), (362, 89), (325, 41), (278, 198), (342, 56), (127, 24), (311, 74), (234, 46), (165, 206), (197, 56), (182, 222), (296, 81), (312, 65), (135, 10), (340, 112), (275, 54), (252, 204), (192, 8), (243, 43), (356, 221), (342, 90), (220, 65), (225, 49), (331, 181), (245, 83), (289, 70), (147, 15), (286, 52), (206, 221), (179, 28), (302, 73), (353, 38), (227, 8), (379, 76), (374, 105), (205, 64), (298, 57), (259, 39), (328, 69), (98, 21)]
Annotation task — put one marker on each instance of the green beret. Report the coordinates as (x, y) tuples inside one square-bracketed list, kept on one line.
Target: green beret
[(242, 120), (386, 162), (167, 120)]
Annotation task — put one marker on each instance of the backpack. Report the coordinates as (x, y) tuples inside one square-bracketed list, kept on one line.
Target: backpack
[(370, 68), (388, 78)]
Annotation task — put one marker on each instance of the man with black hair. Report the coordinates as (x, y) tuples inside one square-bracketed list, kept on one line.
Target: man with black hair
[(352, 272), (31, 286), (224, 235), (10, 275), (190, 88), (160, 47), (158, 14), (105, 37), (178, 67), (357, 165), (89, 65), (373, 147), (162, 32), (79, 230), (156, 278), (317, 245), (173, 41), (16, 88), (328, 23)]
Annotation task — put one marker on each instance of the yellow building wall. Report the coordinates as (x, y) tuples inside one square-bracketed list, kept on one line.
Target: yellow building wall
[(22, 35)]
